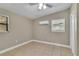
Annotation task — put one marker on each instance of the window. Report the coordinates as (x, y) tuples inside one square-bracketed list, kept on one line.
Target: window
[(3, 23), (58, 25)]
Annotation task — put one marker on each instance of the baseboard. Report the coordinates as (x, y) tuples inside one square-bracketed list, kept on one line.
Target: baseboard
[(57, 44), (73, 53), (16, 46), (11, 48)]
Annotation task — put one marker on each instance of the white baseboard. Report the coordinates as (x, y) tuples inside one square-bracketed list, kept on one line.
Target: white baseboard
[(73, 53), (57, 44), (16, 46)]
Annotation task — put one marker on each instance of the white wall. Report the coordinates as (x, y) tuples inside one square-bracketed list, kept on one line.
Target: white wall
[(44, 33), (73, 28), (20, 29)]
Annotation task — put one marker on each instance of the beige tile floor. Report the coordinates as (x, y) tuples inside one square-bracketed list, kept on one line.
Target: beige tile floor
[(39, 49)]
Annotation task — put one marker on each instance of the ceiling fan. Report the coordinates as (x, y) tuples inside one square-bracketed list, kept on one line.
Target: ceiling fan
[(41, 6)]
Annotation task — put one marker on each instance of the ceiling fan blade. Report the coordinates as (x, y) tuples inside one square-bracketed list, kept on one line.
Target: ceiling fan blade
[(50, 6), (33, 3)]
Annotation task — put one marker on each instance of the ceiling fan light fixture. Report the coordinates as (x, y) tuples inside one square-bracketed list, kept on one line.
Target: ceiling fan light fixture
[(42, 6)]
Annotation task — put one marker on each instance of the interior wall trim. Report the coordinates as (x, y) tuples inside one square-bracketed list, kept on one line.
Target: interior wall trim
[(16, 46), (56, 44), (44, 42)]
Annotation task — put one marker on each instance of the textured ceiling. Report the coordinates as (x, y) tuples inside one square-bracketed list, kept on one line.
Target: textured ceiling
[(31, 12)]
